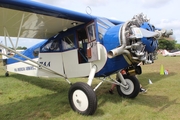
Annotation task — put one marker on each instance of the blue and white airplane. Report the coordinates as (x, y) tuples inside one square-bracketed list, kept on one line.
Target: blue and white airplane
[(78, 45)]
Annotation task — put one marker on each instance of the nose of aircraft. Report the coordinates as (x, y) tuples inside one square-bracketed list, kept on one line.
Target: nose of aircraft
[(136, 39)]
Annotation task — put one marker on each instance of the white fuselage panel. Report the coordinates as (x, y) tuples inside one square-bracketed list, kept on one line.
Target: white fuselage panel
[(23, 68)]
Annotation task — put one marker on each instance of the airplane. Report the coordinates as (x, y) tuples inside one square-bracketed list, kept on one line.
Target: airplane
[(78, 45), (172, 54)]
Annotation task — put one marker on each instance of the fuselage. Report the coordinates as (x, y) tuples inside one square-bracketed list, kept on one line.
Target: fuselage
[(79, 48)]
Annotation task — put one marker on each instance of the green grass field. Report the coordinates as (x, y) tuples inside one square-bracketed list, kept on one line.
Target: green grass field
[(31, 98)]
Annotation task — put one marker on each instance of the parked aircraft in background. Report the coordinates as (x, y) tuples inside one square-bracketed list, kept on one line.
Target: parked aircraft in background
[(172, 54), (78, 45)]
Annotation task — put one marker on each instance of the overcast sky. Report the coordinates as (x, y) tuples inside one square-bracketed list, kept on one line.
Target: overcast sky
[(162, 13)]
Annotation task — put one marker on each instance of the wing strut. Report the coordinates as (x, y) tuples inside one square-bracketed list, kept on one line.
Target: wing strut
[(20, 27), (7, 35)]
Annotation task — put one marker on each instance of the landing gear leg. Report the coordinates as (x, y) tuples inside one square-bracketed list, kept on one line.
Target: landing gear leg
[(82, 97)]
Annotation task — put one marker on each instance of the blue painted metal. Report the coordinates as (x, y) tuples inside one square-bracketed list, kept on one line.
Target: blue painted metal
[(111, 40), (151, 43), (28, 52)]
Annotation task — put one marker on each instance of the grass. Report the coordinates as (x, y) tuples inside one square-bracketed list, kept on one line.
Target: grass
[(32, 98)]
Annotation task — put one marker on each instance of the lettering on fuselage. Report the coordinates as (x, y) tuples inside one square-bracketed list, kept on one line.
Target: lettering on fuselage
[(24, 68), (47, 64)]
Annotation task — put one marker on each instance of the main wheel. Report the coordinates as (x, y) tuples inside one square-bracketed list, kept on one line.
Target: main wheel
[(133, 87), (82, 98)]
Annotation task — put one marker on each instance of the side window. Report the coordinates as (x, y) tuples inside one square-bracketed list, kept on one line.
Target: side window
[(36, 52), (52, 45), (68, 42), (91, 32)]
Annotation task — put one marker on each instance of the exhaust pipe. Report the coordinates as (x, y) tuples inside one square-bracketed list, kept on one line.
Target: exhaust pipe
[(118, 51)]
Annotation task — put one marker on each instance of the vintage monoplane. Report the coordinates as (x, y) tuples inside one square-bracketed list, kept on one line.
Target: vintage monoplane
[(165, 53), (78, 45)]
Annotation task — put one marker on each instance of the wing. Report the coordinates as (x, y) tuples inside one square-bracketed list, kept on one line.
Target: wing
[(30, 19)]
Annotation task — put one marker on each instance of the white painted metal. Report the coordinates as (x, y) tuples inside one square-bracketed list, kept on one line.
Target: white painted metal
[(66, 63), (20, 27), (80, 100), (52, 61), (72, 66), (91, 75), (102, 54), (121, 78), (23, 68)]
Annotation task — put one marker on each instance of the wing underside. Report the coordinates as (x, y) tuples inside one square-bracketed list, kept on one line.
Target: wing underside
[(31, 25), (30, 19)]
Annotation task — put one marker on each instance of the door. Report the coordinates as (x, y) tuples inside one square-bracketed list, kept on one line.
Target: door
[(92, 49)]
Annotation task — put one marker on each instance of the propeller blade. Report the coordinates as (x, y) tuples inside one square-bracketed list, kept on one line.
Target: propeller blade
[(140, 33), (147, 33)]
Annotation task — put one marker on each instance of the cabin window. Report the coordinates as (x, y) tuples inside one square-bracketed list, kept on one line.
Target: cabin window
[(68, 42), (36, 52), (52, 45)]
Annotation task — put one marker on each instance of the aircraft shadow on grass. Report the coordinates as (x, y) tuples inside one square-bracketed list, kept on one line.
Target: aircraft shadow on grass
[(45, 107), (51, 105)]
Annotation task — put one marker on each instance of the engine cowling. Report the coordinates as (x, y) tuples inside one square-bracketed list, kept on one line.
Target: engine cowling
[(137, 38)]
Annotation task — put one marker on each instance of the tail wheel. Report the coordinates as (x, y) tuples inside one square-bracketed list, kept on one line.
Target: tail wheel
[(82, 98), (133, 87)]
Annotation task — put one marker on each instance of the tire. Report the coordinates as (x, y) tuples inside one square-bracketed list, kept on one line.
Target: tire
[(133, 90), (82, 98)]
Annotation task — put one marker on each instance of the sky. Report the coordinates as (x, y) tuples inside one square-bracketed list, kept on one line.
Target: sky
[(162, 13)]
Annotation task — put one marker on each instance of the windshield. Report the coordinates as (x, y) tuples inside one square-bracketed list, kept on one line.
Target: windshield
[(103, 25)]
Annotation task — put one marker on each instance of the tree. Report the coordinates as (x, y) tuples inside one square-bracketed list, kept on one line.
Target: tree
[(167, 44), (177, 46), (21, 48)]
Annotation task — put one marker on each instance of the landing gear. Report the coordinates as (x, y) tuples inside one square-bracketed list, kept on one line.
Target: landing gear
[(82, 98), (133, 87)]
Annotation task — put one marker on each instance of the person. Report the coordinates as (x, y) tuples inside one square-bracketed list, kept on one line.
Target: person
[(142, 90)]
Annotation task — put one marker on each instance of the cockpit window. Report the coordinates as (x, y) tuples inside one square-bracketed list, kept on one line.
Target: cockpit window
[(105, 22), (103, 25), (52, 45), (68, 42)]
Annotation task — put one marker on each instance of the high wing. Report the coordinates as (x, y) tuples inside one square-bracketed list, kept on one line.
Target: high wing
[(30, 19)]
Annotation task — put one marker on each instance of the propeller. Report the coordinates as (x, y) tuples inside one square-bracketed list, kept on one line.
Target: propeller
[(140, 33), (159, 34)]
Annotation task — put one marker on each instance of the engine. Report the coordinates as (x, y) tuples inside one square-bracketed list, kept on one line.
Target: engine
[(139, 40)]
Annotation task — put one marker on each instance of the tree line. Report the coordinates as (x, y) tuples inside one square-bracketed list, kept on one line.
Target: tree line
[(168, 44), (19, 48)]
